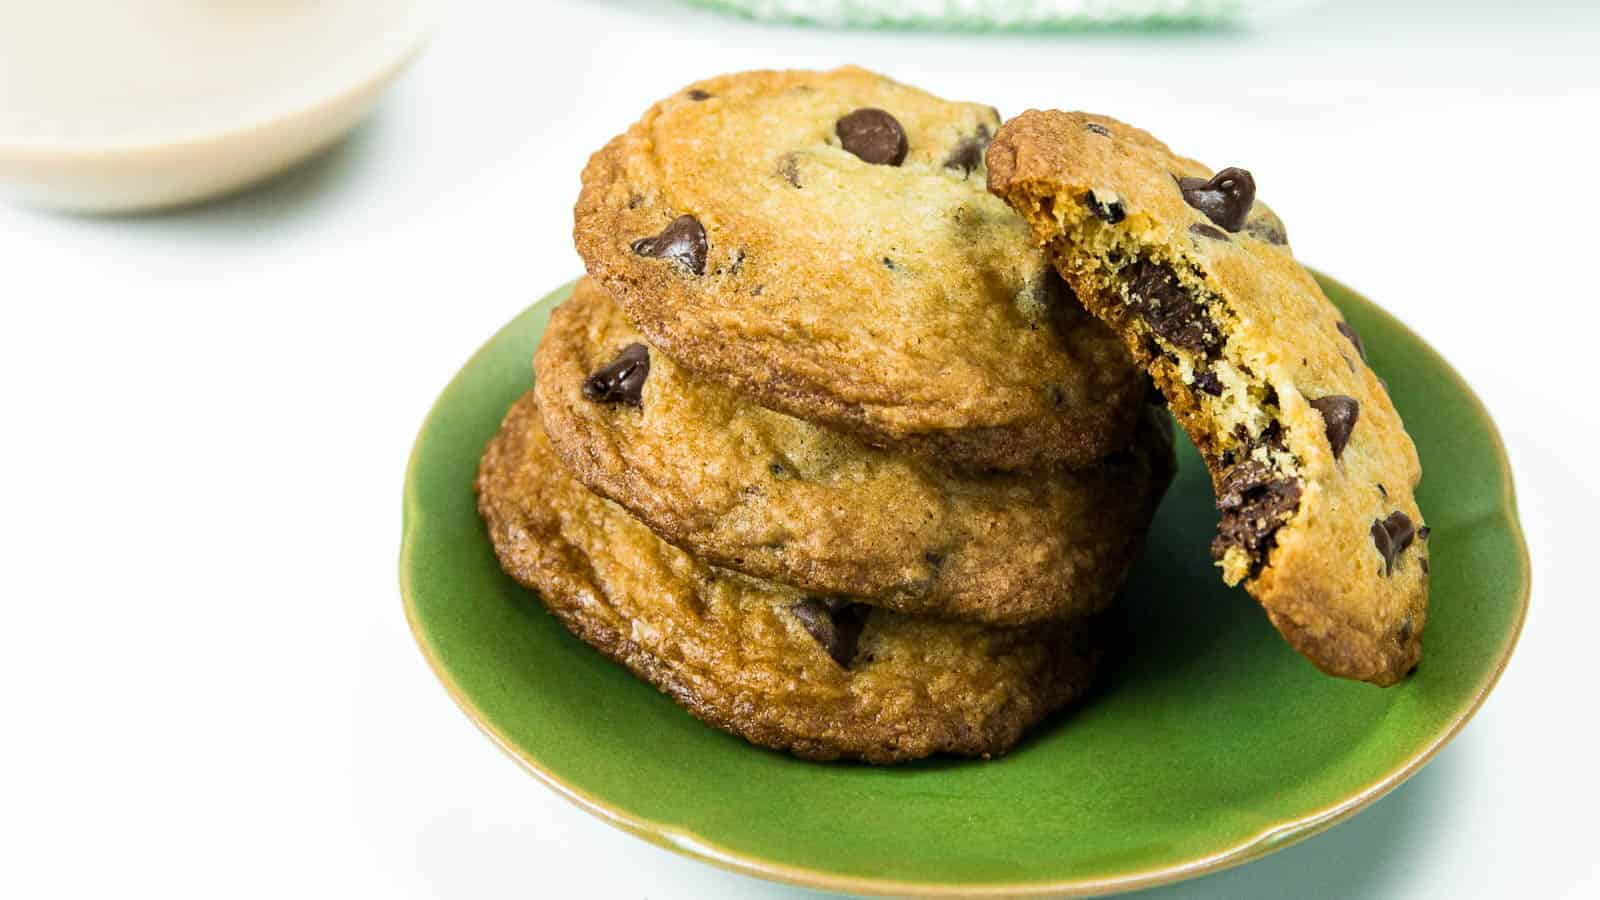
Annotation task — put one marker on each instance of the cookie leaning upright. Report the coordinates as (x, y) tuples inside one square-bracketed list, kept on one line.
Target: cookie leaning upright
[(1313, 469), (823, 243)]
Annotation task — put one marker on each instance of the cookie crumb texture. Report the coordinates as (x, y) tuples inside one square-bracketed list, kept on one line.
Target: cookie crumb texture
[(747, 488), (1258, 366), (820, 677), (823, 242)]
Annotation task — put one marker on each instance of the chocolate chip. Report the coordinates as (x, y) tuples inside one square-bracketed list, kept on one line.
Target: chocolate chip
[(1225, 198), (1409, 624), (1423, 561), (1339, 415), (622, 380), (1110, 213), (683, 242), (1097, 129), (777, 469), (934, 559), (789, 168), (1383, 491), (1209, 231), (1424, 532), (1272, 437), (697, 94), (888, 263), (874, 136), (1347, 331), (1209, 382), (1263, 230), (1349, 362), (967, 154), (1255, 502), (1391, 536), (835, 624), (1171, 311)]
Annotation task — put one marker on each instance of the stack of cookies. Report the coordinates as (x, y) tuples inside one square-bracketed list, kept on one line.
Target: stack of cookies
[(826, 448)]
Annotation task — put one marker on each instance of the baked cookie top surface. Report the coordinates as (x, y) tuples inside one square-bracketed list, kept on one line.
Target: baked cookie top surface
[(1313, 469), (822, 678), (777, 497), (822, 241)]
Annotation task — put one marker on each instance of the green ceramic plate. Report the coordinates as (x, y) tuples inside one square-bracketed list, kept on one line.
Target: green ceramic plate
[(1215, 744)]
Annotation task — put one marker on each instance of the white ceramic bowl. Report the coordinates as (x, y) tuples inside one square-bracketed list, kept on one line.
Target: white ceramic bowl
[(125, 105)]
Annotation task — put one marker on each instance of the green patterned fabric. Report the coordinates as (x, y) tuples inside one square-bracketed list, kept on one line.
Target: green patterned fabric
[(991, 14)]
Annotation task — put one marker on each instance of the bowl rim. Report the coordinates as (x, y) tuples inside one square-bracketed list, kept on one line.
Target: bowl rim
[(391, 54), (1276, 836)]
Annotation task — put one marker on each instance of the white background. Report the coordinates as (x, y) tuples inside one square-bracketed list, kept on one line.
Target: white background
[(208, 685)]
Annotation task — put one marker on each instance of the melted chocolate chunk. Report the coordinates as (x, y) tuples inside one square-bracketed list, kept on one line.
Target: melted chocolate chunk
[(1392, 536), (874, 136), (1270, 437), (1255, 502), (1171, 311), (1109, 213), (835, 624), (697, 94), (1262, 230), (1409, 624), (967, 154), (1339, 415), (1209, 231), (1347, 331), (1097, 129), (683, 242), (1225, 198), (1208, 382), (1423, 561), (622, 380)]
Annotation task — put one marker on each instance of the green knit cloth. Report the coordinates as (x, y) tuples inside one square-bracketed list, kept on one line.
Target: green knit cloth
[(1002, 14)]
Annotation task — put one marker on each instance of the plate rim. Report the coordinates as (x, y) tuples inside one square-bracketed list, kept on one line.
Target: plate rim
[(684, 841)]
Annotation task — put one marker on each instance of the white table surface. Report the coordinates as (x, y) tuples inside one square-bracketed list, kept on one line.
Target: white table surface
[(211, 688)]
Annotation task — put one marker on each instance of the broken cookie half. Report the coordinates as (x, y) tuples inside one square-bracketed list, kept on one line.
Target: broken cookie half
[(1313, 469)]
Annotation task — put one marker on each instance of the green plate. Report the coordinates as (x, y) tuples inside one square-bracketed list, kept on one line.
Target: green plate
[(1215, 744)]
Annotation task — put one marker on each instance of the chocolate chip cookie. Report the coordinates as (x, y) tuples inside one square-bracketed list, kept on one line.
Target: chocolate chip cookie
[(822, 242), (820, 677), (777, 497), (1313, 470)]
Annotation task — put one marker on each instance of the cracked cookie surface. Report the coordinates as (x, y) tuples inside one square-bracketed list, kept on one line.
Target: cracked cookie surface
[(823, 243), (1314, 472), (777, 497), (822, 678)]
